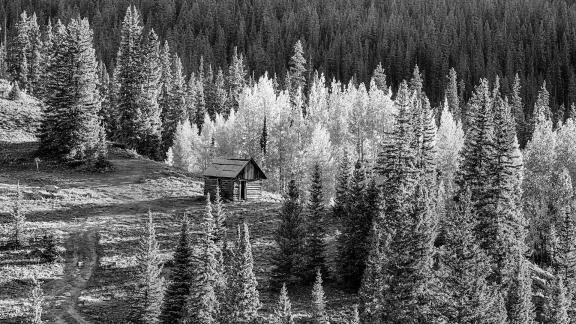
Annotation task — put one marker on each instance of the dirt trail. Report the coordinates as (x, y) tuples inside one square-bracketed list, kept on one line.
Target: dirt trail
[(81, 261)]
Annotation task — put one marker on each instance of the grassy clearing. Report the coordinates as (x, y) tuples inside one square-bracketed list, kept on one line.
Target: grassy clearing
[(115, 204)]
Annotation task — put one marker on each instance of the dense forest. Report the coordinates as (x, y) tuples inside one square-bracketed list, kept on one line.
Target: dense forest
[(347, 39), (447, 169)]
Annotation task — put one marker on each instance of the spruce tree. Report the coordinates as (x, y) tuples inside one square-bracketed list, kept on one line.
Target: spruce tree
[(245, 297), (221, 95), (371, 290), (70, 127), (202, 305), (542, 110), (451, 96), (356, 224), (176, 110), (297, 71), (236, 79), (289, 237), (179, 286), (379, 77), (34, 57), (129, 76), (341, 199), (416, 82), (556, 306), (464, 293), (150, 283), (517, 107), (219, 219), (519, 299), (283, 310), (18, 60), (315, 229), (319, 315)]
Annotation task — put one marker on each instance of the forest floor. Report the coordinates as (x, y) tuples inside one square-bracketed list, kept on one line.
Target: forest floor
[(97, 219)]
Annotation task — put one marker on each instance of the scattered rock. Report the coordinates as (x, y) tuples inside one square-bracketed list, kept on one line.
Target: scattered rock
[(51, 188)]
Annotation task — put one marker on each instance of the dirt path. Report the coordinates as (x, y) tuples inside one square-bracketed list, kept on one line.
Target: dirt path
[(81, 261)]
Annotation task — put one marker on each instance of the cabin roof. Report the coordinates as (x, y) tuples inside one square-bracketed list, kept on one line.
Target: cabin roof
[(229, 168)]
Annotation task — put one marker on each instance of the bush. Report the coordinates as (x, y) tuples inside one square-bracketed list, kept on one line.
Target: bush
[(49, 252)]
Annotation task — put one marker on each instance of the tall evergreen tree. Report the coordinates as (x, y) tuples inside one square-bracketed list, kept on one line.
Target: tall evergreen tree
[(264, 137), (150, 283), (517, 107), (379, 77), (245, 296), (371, 298), (556, 307), (520, 307), (341, 199), (451, 95), (219, 219), (179, 286), (236, 79), (176, 110), (289, 237), (129, 76), (297, 72), (70, 127), (283, 310), (319, 315), (18, 60), (34, 55), (202, 306), (542, 110), (315, 229), (221, 95)]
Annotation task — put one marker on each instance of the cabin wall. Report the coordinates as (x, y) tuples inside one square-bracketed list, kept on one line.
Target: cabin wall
[(253, 190), (226, 187)]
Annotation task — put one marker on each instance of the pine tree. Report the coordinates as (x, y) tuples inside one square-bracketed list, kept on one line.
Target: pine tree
[(236, 79), (18, 60), (297, 71), (202, 305), (319, 315), (341, 199), (379, 77), (219, 219), (130, 79), (70, 128), (36, 302), (245, 296), (542, 110), (221, 95), (289, 238), (179, 286), (517, 107), (149, 143), (150, 283), (356, 225), (34, 57), (371, 290), (465, 294), (315, 230), (519, 299), (556, 306), (18, 219), (176, 112), (283, 311), (200, 104), (49, 252), (452, 96), (416, 83), (264, 137)]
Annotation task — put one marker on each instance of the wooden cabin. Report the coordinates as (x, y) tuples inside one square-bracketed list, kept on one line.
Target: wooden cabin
[(238, 179)]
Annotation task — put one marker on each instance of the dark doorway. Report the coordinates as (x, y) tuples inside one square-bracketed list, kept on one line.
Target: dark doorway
[(242, 190)]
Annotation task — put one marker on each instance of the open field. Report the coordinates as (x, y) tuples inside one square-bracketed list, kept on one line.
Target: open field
[(97, 219)]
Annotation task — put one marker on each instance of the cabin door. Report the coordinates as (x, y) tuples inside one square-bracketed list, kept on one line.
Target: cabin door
[(242, 190)]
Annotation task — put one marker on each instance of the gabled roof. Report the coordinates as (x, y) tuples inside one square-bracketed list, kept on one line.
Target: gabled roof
[(229, 168)]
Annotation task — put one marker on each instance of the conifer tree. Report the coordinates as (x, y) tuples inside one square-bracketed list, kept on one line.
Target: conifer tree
[(556, 306), (289, 238), (465, 294), (219, 219), (202, 305), (519, 299), (283, 310), (542, 110), (36, 302), (236, 78), (150, 283), (18, 219), (319, 315), (70, 128), (450, 142), (416, 82), (356, 225), (34, 55), (315, 230), (341, 199), (517, 107), (129, 76), (200, 104), (179, 286), (379, 77), (18, 63), (452, 96), (264, 137), (245, 297), (221, 95), (355, 315), (372, 281), (210, 92), (297, 71)]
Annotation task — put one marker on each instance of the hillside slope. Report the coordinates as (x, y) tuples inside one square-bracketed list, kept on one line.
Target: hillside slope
[(18, 119)]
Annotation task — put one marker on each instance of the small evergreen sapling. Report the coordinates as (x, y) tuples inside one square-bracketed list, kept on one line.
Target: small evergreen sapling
[(283, 311), (36, 301), (319, 315), (18, 219), (49, 251)]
